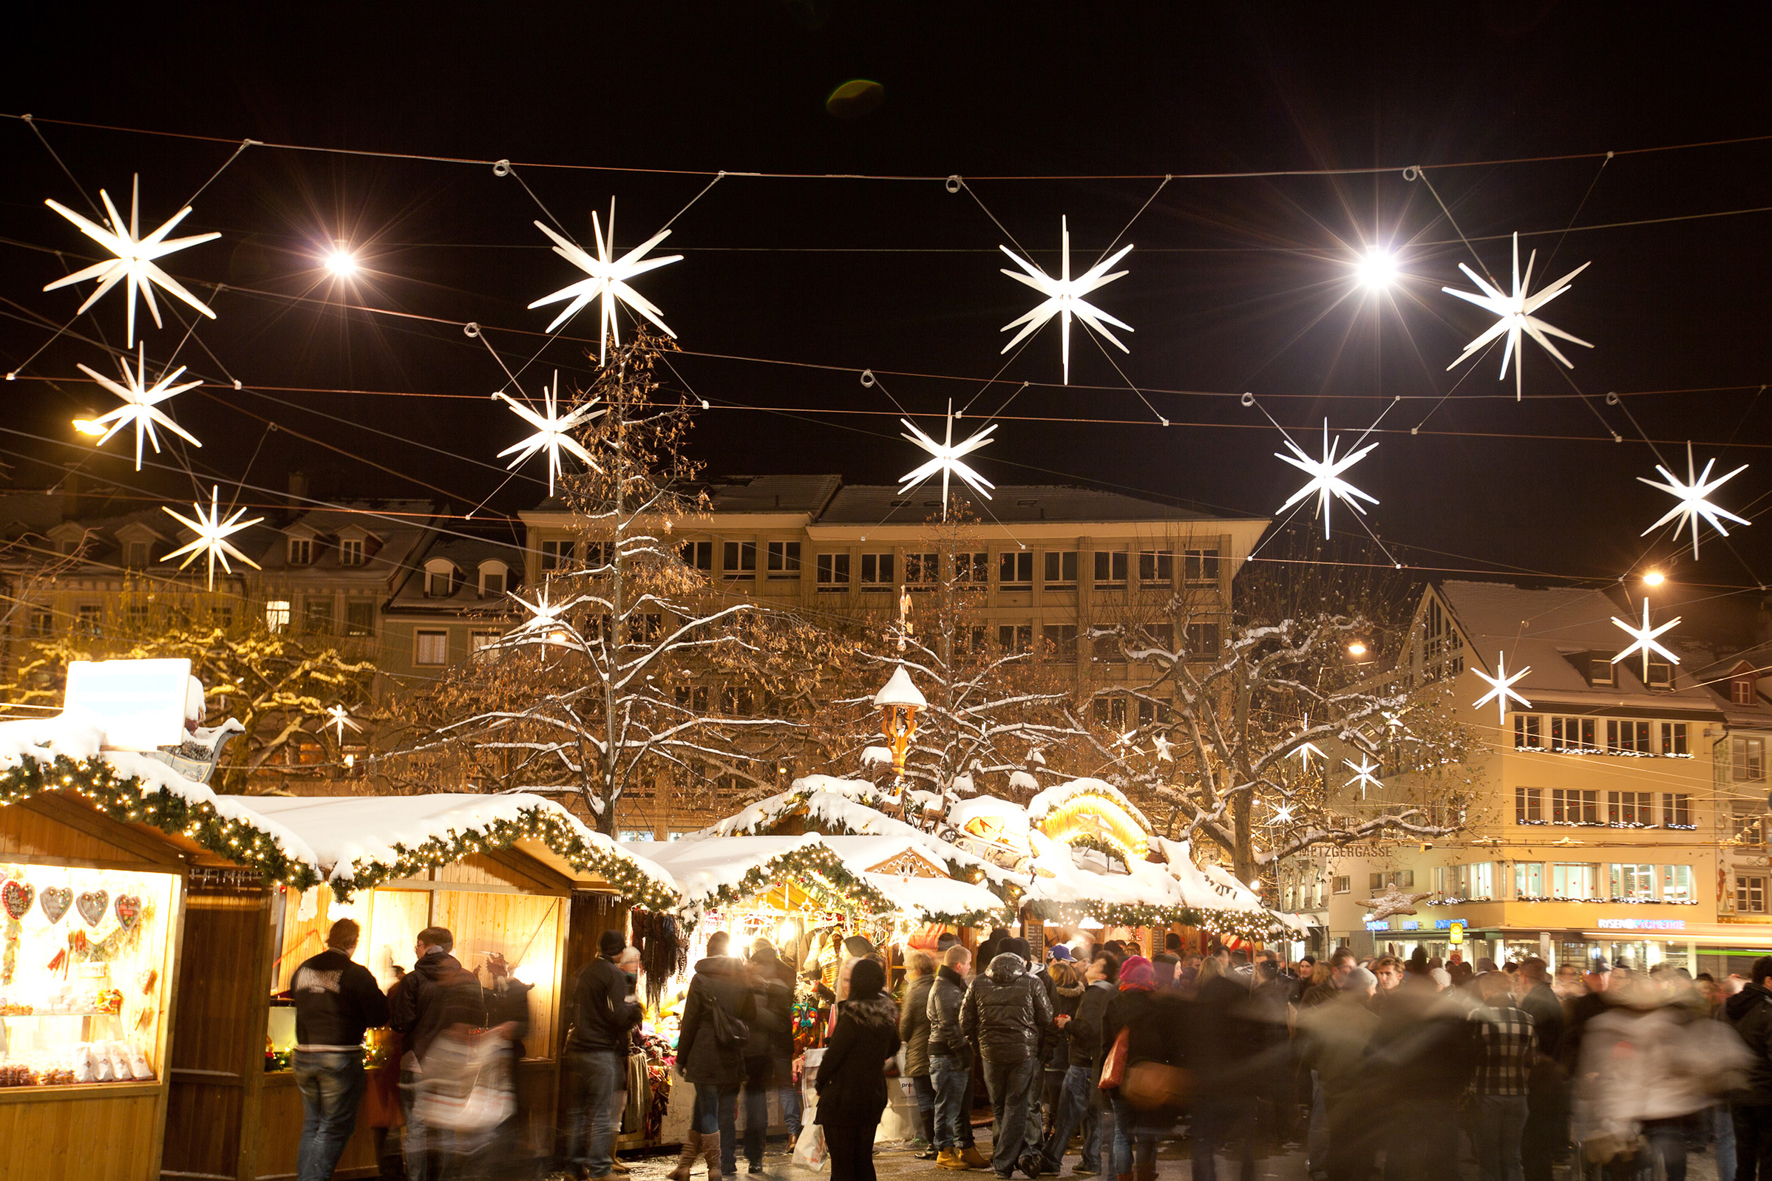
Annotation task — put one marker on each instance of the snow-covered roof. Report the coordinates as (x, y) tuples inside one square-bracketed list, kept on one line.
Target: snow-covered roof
[(900, 690), (1012, 816), (1052, 797)]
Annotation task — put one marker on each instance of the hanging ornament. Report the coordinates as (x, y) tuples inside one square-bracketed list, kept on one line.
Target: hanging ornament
[(1161, 742), (1305, 752), (212, 535), (1362, 774), (544, 616), (552, 432), (338, 717), (1694, 499), (1392, 901), (1064, 297), (141, 403), (946, 458), (1325, 476), (134, 265), (1643, 640), (608, 280), (1514, 315), (1501, 686)]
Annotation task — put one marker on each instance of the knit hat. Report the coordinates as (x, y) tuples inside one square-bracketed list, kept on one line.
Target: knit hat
[(1136, 973), (1359, 979)]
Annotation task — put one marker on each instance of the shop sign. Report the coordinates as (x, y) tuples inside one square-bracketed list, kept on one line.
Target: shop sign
[(1642, 924), (139, 704), (1446, 924), (1381, 925), (1455, 932), (1411, 925)]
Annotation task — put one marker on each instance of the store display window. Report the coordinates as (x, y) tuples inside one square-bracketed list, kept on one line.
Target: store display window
[(83, 975)]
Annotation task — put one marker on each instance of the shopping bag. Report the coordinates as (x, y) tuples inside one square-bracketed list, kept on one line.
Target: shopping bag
[(809, 1149), (1152, 1085), (1113, 1067)]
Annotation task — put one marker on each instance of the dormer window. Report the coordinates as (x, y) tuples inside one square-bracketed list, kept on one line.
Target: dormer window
[(135, 555), (350, 551), (493, 577), (439, 578), (1661, 675), (1600, 672), (301, 551), (1744, 687)]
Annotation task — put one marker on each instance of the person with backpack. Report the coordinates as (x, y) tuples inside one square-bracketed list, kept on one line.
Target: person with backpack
[(711, 1052)]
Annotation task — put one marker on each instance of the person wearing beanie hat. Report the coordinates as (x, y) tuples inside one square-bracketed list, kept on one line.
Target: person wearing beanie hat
[(1151, 1022)]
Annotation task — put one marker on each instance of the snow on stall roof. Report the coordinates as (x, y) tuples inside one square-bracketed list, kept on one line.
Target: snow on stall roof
[(1059, 879), (1207, 887), (1011, 815), (928, 898), (1052, 797)]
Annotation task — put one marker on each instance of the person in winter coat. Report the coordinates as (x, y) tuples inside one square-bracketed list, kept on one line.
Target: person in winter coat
[(1073, 1059), (913, 1031), (1547, 1101), (768, 1057), (710, 1052), (1506, 1042), (1422, 1056), (851, 1079), (950, 1062), (1154, 1023), (1007, 1014), (1337, 1036), (336, 1000), (438, 994), (604, 1016), (1749, 1012)]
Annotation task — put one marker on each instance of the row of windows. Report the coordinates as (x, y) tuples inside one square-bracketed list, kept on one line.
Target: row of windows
[(1620, 735), (1624, 809), (1573, 880)]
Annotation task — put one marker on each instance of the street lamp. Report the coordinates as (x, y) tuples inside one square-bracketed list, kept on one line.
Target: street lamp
[(899, 703)]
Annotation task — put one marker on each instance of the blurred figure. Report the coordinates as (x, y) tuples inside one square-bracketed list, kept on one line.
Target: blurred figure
[(950, 1060), (1422, 1057), (1547, 1101), (852, 1077), (1504, 1067), (336, 1001), (913, 1032), (1063, 1112), (1568, 983), (768, 1057), (1750, 1013), (1165, 968), (709, 1056), (1081, 1101), (1337, 1036), (1135, 1010), (438, 994), (1227, 1051), (1273, 1083)]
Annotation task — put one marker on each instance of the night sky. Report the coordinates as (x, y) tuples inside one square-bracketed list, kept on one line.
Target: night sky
[(790, 287)]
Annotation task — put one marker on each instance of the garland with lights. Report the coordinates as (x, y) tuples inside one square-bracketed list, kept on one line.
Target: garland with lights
[(825, 877), (1242, 924)]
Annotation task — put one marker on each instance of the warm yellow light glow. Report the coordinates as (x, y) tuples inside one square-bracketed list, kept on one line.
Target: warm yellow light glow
[(1653, 578), (342, 263), (1356, 649), (87, 426)]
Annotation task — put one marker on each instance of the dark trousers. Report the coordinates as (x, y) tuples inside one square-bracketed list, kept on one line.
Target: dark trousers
[(1753, 1142), (1547, 1121), (850, 1146)]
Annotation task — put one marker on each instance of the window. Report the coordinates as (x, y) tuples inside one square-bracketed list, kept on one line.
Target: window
[(1343, 884), (1750, 895), (301, 551), (832, 571), (316, 616), (1627, 736), (784, 559), (135, 618), (277, 614), (1375, 881), (430, 648), (1600, 672), (737, 701), (557, 555), (698, 555), (492, 580), (739, 559), (1636, 882), (1476, 882), (599, 553), (1748, 759), (1162, 635), (1673, 738), (1661, 675), (1156, 566), (1527, 734), (222, 615), (972, 567), (1200, 565), (1152, 711), (693, 698), (1676, 811), (359, 617), (1630, 809), (1528, 805), (1572, 734), (42, 623), (1402, 879), (1016, 637), (1676, 883), (480, 639), (922, 569), (1202, 641), (1015, 567), (1061, 641), (1574, 880), (645, 627), (439, 580), (1110, 567), (350, 551), (1529, 879), (1569, 806), (1741, 691), (1746, 823), (876, 572), (1061, 567), (136, 554)]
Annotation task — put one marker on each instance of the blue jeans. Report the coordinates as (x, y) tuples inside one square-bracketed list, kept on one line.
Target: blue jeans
[(756, 1124), (1073, 1102), (331, 1085), (595, 1075), (1316, 1140), (1723, 1129), (716, 1109), (1132, 1144), (924, 1089), (1500, 1120), (1008, 1083), (951, 1074)]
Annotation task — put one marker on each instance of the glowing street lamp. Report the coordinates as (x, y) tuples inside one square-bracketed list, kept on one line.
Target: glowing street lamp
[(1377, 269), (899, 702), (1653, 578), (341, 262)]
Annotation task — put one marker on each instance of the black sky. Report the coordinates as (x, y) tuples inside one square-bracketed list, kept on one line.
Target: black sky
[(1235, 284)]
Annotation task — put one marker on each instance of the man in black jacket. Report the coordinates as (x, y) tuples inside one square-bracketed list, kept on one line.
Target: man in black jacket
[(1006, 1012), (1750, 1012), (435, 995), (604, 1014), (336, 999)]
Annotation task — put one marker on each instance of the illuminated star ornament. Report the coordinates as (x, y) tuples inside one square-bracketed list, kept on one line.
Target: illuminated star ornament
[(133, 265), (1643, 640), (1282, 813), (1326, 475), (1694, 499), (1064, 297), (1305, 752), (946, 457), (1501, 686), (544, 616), (608, 280), (212, 535), (338, 718), (1514, 315), (552, 431), (1362, 774), (1161, 741), (141, 403), (1392, 901)]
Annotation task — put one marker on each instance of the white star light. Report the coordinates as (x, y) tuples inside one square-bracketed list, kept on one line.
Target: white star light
[(946, 458), (544, 616), (608, 279), (551, 432), (1501, 686), (1282, 814), (212, 535), (1362, 774), (338, 718), (1325, 476), (134, 265), (1694, 498), (1643, 639), (1514, 314), (1305, 752), (1162, 744), (1064, 297), (140, 401)]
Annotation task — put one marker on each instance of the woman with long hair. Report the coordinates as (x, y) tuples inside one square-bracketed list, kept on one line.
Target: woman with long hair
[(851, 1080)]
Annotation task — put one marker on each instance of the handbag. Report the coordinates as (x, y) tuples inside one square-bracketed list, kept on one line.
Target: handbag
[(729, 1031), (1151, 1085), (1113, 1067)]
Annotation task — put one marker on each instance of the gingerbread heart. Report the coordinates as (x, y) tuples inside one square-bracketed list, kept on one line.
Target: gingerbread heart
[(91, 906), (55, 901), (15, 898), (129, 910)]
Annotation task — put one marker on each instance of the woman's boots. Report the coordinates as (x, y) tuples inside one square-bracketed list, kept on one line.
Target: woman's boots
[(686, 1158), (710, 1150)]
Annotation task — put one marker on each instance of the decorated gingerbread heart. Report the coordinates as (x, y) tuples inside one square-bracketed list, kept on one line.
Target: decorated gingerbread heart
[(55, 901), (91, 904), (129, 910), (15, 898)]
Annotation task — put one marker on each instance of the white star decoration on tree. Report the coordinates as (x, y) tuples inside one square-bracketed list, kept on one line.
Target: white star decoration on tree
[(1501, 686), (1305, 752), (551, 431), (212, 535), (946, 457), (608, 280), (140, 403), (133, 265), (544, 616), (1643, 639), (1392, 901), (1694, 499), (1514, 314), (1362, 774), (1064, 297), (1282, 813), (1326, 474), (338, 718), (1161, 741)]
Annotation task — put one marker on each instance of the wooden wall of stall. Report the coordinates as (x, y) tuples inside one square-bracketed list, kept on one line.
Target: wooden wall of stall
[(94, 1131)]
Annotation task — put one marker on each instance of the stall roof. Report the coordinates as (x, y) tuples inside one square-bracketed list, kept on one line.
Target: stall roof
[(1052, 797)]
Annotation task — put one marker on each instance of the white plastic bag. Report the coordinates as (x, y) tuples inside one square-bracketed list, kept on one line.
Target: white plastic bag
[(809, 1149)]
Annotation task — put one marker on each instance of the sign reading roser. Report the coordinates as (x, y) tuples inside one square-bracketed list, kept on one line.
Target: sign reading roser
[(1642, 924), (139, 704)]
